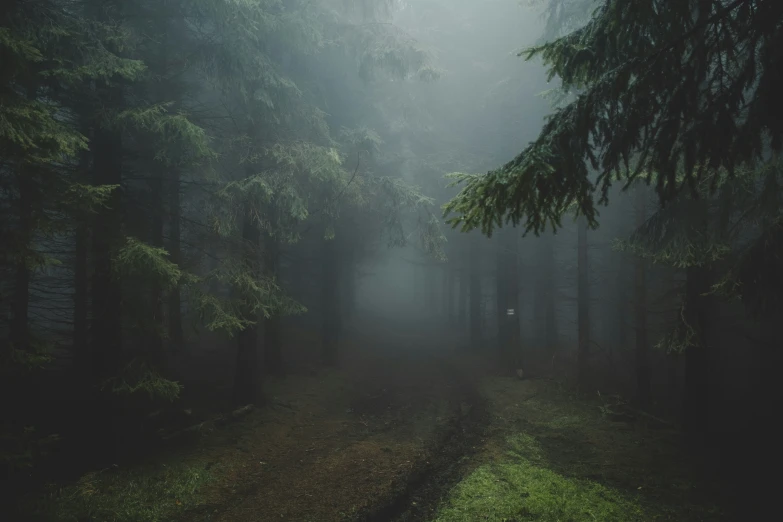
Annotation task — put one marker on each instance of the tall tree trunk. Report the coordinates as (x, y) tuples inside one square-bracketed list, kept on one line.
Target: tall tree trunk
[(516, 356), (416, 286), (642, 356), (81, 296), (476, 319), (20, 302), (697, 390), (157, 202), (583, 306), (508, 297), (106, 332), (622, 307), (450, 293), (273, 350), (444, 291), (247, 385), (348, 282), (501, 294), (462, 299), (81, 285), (176, 333), (545, 292), (106, 326), (330, 304), (549, 291), (430, 275)]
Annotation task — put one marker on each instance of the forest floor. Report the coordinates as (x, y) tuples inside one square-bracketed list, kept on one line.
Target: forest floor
[(406, 435)]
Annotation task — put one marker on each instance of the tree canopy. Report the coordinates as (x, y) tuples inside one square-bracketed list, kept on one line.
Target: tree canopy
[(667, 90)]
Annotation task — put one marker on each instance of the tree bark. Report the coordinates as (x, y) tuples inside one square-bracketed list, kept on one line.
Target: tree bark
[(507, 279), (106, 327), (450, 293), (462, 299), (81, 296), (348, 283), (475, 295), (330, 304), (247, 385), (20, 302), (176, 333), (642, 356), (697, 390), (583, 306), (545, 294), (81, 284), (273, 351), (501, 295), (157, 202)]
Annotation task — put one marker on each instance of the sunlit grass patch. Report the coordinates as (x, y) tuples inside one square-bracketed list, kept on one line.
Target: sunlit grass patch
[(144, 494), (520, 487), (556, 456)]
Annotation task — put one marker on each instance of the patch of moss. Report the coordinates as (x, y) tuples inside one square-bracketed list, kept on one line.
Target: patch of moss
[(521, 488), (555, 456), (144, 494)]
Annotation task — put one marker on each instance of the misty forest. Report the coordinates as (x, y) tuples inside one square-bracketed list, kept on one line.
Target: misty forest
[(390, 260)]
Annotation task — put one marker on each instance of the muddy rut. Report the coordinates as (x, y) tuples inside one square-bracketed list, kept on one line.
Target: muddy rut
[(450, 453)]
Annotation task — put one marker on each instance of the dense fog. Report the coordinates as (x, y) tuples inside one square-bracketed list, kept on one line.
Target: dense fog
[(387, 259)]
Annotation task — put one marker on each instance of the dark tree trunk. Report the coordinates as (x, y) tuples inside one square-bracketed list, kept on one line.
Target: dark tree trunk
[(20, 302), (176, 334), (583, 307), (81, 286), (507, 299), (462, 299), (273, 350), (640, 314), (622, 308), (432, 288), (157, 202), (330, 304), (501, 295), (247, 385), (697, 390), (545, 293), (416, 287), (81, 296), (674, 395), (444, 291), (348, 283), (106, 326), (476, 319), (450, 293)]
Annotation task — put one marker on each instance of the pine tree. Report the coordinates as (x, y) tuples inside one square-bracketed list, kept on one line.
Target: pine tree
[(674, 91)]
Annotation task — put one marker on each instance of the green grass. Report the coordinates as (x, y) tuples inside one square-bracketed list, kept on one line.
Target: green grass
[(550, 456), (521, 487), (145, 494)]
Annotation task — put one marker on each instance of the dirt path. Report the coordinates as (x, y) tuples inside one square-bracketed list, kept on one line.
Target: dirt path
[(382, 440), (450, 457)]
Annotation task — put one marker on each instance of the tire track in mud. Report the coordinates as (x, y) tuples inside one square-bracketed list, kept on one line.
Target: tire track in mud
[(449, 457)]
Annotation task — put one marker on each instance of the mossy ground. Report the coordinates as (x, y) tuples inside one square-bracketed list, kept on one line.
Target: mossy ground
[(340, 445), (552, 457), (326, 448)]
